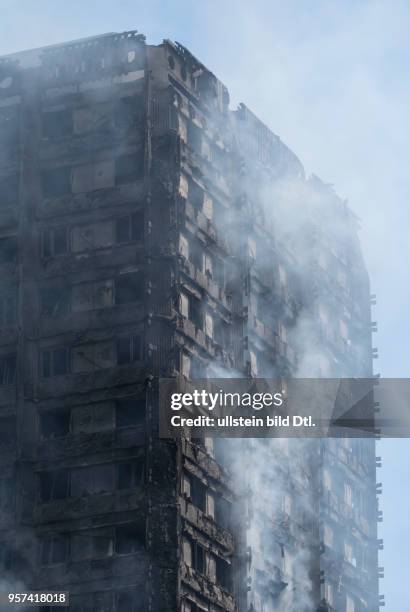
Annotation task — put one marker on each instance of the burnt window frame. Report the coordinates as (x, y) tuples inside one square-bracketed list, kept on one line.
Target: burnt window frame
[(198, 557), (198, 491), (7, 555), (8, 369), (135, 475), (54, 485), (48, 363), (196, 311), (48, 550), (224, 574), (223, 511), (50, 245), (134, 228), (91, 427), (7, 493), (93, 473), (8, 306), (8, 430), (62, 305), (126, 545), (44, 414), (132, 345)]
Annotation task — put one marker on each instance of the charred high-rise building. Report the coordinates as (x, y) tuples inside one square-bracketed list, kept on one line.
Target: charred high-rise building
[(146, 231)]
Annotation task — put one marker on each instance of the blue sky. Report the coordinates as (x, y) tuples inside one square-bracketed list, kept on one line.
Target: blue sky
[(331, 78)]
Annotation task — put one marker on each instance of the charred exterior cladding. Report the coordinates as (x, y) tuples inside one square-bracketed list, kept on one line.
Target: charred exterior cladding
[(146, 230)]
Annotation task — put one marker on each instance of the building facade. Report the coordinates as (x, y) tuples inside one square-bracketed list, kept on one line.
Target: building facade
[(146, 231)]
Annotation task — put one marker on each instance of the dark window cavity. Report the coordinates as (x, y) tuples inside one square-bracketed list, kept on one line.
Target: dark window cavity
[(129, 539), (129, 228), (198, 557), (129, 412), (7, 432), (54, 485), (7, 369), (54, 424), (7, 556), (224, 574), (92, 480), (223, 512), (129, 288), (198, 493), (55, 362), (194, 137), (128, 349), (130, 474), (55, 242), (8, 249), (57, 182), (6, 493), (102, 546), (55, 301), (195, 312), (55, 549), (8, 307)]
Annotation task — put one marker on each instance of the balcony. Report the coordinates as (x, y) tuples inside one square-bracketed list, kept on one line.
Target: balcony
[(207, 525), (188, 328), (204, 460), (263, 332), (200, 583), (205, 282), (206, 226)]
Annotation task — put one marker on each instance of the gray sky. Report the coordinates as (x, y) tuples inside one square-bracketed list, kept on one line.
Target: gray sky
[(330, 79)]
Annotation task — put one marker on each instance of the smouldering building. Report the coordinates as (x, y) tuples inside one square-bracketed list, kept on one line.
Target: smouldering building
[(147, 230)]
